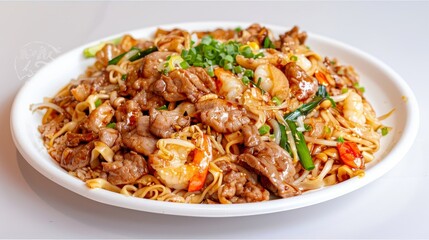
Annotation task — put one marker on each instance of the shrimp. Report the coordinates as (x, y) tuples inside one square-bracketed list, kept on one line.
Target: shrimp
[(270, 56), (172, 165), (231, 86), (273, 81), (354, 109), (170, 162)]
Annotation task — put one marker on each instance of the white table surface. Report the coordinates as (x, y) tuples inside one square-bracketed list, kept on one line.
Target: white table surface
[(395, 206)]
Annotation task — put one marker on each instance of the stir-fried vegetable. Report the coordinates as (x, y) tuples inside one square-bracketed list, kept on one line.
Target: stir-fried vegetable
[(264, 129), (139, 54), (351, 155), (210, 53), (202, 158), (91, 51), (305, 109), (301, 146)]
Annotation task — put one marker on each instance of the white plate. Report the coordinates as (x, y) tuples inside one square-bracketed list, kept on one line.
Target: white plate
[(385, 89)]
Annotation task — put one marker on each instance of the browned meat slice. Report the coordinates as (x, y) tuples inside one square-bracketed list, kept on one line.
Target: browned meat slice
[(108, 136), (128, 113), (151, 62), (251, 136), (164, 123), (180, 85), (125, 169), (81, 92), (222, 116), (138, 143), (301, 85), (274, 165), (78, 157), (204, 77), (254, 33), (292, 39), (147, 100), (74, 139), (49, 129), (237, 188), (143, 126), (99, 117), (218, 34)]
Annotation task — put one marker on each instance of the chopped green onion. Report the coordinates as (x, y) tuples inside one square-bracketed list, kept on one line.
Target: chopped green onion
[(308, 127), (276, 100), (124, 77), (334, 105), (264, 129), (138, 55), (206, 40), (248, 73), (283, 139), (268, 43), (228, 66), (259, 55), (116, 59), (238, 69), (245, 80), (301, 147), (142, 54), (210, 71), (184, 65), (111, 125), (344, 90), (305, 109), (247, 52), (237, 29), (359, 87), (91, 51), (294, 58), (163, 107), (340, 139), (384, 131), (97, 103)]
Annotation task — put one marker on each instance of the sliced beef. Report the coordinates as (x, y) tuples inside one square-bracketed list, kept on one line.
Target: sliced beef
[(81, 91), (49, 129), (218, 34), (128, 113), (138, 138), (251, 136), (147, 100), (74, 139), (78, 157), (164, 123), (237, 188), (143, 126), (222, 116), (125, 169), (109, 136), (138, 143), (204, 77), (99, 117), (180, 85), (301, 85), (274, 165), (254, 33), (292, 39), (150, 65)]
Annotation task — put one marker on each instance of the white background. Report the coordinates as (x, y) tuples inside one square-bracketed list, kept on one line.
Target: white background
[(395, 206)]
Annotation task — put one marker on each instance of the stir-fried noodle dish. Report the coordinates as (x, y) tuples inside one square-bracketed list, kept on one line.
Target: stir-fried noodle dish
[(223, 116)]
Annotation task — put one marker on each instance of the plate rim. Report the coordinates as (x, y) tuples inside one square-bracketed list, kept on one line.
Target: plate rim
[(395, 155)]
